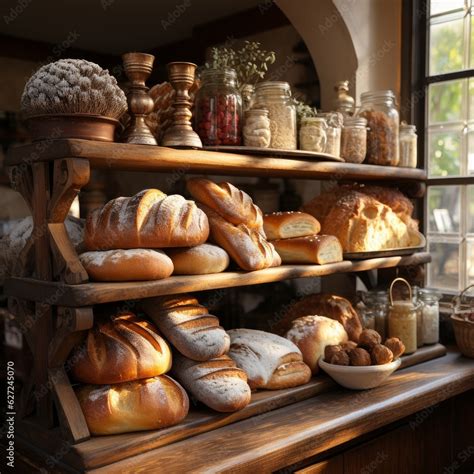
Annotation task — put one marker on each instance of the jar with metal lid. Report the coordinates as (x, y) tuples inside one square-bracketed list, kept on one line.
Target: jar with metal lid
[(256, 129), (381, 113), (354, 139), (334, 122), (313, 134), (275, 96), (218, 108), (430, 308), (402, 319), (377, 303), (366, 315), (408, 145)]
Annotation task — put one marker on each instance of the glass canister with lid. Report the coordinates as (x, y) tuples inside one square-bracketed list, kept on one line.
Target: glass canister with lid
[(430, 310), (408, 145), (334, 121), (354, 139), (275, 96), (256, 129), (381, 113), (402, 319), (376, 302), (218, 108), (313, 134)]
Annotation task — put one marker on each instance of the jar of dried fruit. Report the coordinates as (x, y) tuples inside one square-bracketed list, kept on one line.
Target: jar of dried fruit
[(383, 121), (218, 108), (354, 139), (275, 96)]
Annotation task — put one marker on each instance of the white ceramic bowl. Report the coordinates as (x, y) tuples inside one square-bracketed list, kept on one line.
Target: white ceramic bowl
[(360, 377)]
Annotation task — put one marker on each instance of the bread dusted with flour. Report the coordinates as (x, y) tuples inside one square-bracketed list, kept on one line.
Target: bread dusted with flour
[(150, 219), (270, 361), (188, 326), (218, 382), (120, 349)]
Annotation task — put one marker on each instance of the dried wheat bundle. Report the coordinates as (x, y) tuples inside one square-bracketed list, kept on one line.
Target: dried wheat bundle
[(72, 86)]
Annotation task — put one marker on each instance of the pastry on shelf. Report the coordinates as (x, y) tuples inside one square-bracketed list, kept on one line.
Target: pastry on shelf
[(199, 260), (287, 225)]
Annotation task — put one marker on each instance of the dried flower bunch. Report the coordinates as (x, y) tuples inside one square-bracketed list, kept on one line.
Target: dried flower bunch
[(73, 86), (250, 62)]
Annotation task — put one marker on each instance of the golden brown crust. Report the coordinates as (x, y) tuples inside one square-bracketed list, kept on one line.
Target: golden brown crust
[(396, 346), (369, 338), (286, 225), (359, 356), (381, 355), (200, 260), (340, 358)]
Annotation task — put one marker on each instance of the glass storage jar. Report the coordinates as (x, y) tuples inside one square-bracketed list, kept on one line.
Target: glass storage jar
[(354, 139), (248, 97), (256, 131), (377, 302), (430, 308), (334, 122), (275, 96), (379, 109), (344, 103), (313, 134), (218, 108), (408, 146)]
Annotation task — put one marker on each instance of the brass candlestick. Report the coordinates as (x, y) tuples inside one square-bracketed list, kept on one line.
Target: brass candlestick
[(138, 67), (181, 133)]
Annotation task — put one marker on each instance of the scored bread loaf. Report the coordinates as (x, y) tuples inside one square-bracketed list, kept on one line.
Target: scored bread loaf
[(312, 334), (331, 306), (127, 265), (188, 327), (120, 349), (218, 382), (150, 219), (286, 225), (247, 247), (270, 361), (199, 260), (317, 249), (231, 203), (146, 404)]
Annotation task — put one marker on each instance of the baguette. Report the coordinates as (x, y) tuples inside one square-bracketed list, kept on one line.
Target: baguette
[(316, 249), (286, 225)]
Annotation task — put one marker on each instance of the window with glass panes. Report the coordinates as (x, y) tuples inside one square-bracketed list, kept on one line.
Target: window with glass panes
[(449, 143)]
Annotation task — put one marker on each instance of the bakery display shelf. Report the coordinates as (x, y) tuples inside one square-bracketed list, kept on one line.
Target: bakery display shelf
[(94, 293), (101, 450), (121, 156)]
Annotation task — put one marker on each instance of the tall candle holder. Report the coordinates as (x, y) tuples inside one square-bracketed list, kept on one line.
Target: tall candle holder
[(180, 133), (138, 67)]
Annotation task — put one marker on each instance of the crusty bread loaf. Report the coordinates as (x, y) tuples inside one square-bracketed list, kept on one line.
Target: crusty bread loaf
[(270, 361), (331, 306), (317, 249), (127, 265), (286, 225), (147, 404), (312, 334), (218, 383), (247, 247), (150, 219), (189, 328), (199, 260), (231, 203), (120, 349)]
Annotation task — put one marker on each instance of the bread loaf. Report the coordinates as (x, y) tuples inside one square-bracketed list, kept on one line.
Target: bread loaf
[(317, 249), (270, 361), (312, 334), (127, 265), (189, 328), (150, 219), (147, 404), (120, 349), (217, 383), (199, 260), (247, 247), (231, 203), (331, 306), (286, 225)]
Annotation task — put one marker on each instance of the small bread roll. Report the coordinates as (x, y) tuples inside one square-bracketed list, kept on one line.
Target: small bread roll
[(340, 358), (329, 351), (286, 225), (359, 356), (199, 260), (396, 346), (127, 265), (369, 338), (381, 355)]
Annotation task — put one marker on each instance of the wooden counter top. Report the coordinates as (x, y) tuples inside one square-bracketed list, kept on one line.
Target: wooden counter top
[(284, 436)]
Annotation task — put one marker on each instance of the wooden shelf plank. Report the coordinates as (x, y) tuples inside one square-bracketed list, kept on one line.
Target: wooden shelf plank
[(121, 156), (95, 293)]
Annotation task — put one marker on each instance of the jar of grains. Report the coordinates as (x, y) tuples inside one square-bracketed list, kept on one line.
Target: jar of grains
[(218, 108), (275, 96), (408, 143), (334, 122), (256, 129), (430, 308), (379, 109), (313, 135), (354, 139)]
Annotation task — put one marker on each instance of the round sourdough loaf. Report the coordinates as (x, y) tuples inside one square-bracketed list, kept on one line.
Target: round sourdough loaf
[(199, 260), (122, 349), (147, 404), (127, 265)]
